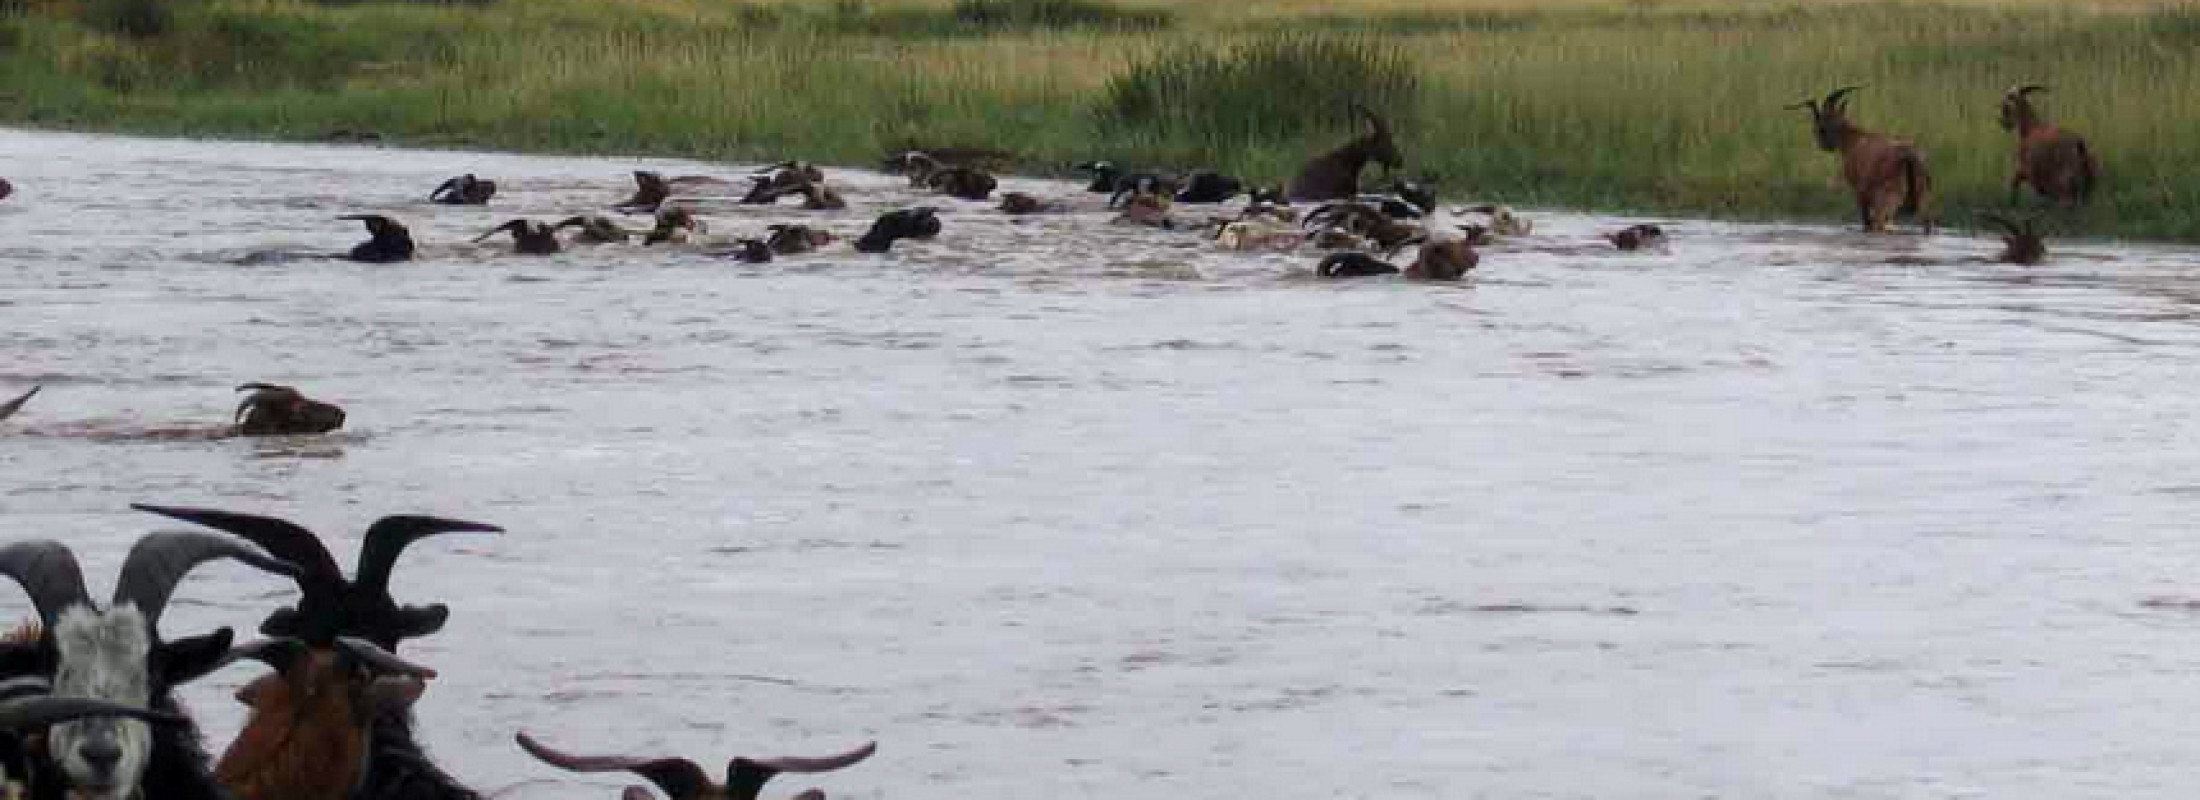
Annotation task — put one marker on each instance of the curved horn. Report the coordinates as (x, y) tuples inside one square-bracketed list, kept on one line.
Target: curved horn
[(160, 560), (380, 660), (1837, 100), (318, 575), (263, 393), (24, 713), (49, 574), (2026, 90), (514, 225), (388, 537), (1807, 105), (448, 184), (746, 777), (680, 778)]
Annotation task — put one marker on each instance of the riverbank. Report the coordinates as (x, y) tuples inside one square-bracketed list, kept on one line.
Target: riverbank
[(1649, 107)]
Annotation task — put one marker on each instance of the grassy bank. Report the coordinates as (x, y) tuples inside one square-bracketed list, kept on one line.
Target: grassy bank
[(1649, 106)]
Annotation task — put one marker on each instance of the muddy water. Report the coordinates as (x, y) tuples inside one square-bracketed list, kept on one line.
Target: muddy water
[(1055, 509)]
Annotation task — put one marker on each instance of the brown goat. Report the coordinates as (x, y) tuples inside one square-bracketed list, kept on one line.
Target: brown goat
[(272, 410), (788, 240), (2058, 163), (651, 189), (1362, 220), (1887, 174), (966, 183), (682, 779), (1444, 260), (1335, 175), (816, 196), (312, 719), (464, 190), (529, 237), (594, 230), (2022, 240)]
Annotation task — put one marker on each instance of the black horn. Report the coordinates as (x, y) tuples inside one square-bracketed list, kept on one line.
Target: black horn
[(160, 560), (1837, 100), (25, 713), (49, 574)]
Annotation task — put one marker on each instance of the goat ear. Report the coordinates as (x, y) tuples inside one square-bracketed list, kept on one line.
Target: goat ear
[(191, 658)]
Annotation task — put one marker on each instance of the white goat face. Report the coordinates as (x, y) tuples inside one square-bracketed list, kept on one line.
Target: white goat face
[(102, 655)]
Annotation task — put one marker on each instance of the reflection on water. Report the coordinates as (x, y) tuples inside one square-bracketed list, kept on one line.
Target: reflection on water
[(1053, 507)]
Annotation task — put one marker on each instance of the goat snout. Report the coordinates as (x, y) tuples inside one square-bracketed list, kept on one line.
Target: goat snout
[(102, 752)]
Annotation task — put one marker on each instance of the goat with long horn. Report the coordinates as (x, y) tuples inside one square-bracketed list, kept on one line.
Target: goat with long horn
[(331, 608), (681, 779), (464, 190), (1335, 175), (529, 237), (117, 654), (1887, 174), (2058, 163)]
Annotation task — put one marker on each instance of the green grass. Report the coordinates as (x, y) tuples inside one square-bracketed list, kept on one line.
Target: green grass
[(1666, 107)]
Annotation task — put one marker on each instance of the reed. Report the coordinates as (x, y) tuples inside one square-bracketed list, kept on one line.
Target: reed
[(1670, 107)]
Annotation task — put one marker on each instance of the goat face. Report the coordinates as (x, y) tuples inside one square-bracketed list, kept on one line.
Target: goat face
[(103, 656), (2016, 107), (281, 410)]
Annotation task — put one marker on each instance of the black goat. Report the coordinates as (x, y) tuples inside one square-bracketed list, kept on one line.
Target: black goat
[(1353, 265), (387, 240), (330, 607), (681, 779), (1208, 186), (922, 222), (529, 237), (464, 190)]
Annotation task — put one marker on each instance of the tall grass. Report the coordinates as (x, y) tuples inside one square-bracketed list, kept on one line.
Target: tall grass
[(1651, 106)]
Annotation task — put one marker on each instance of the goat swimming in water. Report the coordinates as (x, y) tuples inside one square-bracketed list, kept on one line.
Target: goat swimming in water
[(681, 779)]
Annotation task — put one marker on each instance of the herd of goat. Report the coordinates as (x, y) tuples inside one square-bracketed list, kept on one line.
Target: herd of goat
[(87, 710), (87, 705)]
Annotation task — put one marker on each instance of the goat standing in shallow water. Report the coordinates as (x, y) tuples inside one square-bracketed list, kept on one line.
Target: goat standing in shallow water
[(2058, 163), (1887, 174), (682, 779), (117, 654), (1335, 175), (331, 607)]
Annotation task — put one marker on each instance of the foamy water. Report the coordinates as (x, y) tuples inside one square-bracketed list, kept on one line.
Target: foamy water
[(1050, 508)]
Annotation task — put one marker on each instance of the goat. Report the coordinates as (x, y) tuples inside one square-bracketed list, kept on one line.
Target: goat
[(9, 408), (387, 240), (1148, 209), (529, 237), (750, 251), (922, 222), (1142, 184), (1258, 235), (1418, 195), (789, 173), (681, 779), (272, 410), (1503, 220), (2022, 241), (117, 654), (28, 710), (464, 190), (1887, 174), (916, 164), (1363, 220), (1447, 254), (594, 230), (2058, 163), (788, 240), (1637, 236), (652, 189), (1335, 175), (331, 607), (961, 182), (1353, 265), (1104, 175), (1208, 186), (675, 224), (312, 719), (815, 196), (1018, 203)]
